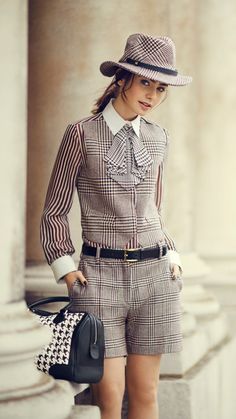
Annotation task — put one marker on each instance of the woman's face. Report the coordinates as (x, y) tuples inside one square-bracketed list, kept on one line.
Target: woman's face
[(142, 95)]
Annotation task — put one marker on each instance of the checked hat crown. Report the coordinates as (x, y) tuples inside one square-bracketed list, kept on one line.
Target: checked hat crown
[(149, 56), (154, 51)]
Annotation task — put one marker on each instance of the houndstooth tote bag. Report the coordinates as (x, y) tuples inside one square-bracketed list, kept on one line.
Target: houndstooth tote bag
[(76, 350)]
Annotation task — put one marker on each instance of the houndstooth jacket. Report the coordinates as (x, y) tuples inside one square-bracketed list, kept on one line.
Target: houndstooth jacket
[(117, 167)]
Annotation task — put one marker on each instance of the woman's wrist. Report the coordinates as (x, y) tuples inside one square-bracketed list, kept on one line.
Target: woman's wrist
[(70, 277)]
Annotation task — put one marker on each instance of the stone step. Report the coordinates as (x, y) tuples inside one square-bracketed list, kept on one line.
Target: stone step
[(207, 391), (85, 412)]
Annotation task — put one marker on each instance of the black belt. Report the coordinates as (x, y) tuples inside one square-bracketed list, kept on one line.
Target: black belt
[(130, 255)]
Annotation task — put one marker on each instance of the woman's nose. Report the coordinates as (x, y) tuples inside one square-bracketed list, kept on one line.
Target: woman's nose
[(151, 93)]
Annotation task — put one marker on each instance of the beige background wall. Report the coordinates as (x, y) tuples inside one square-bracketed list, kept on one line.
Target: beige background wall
[(67, 43)]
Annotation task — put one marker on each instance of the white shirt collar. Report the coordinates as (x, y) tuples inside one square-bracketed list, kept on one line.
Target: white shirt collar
[(116, 122)]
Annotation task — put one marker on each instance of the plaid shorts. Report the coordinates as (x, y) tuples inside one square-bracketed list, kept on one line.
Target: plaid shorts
[(138, 303)]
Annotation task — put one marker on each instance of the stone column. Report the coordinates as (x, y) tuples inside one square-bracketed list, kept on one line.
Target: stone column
[(216, 192), (208, 346), (182, 111), (23, 389)]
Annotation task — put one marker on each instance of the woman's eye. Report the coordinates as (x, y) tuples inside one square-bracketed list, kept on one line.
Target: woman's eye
[(145, 82), (161, 89)]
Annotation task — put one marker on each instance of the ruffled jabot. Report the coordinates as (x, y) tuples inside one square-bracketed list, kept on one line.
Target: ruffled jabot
[(128, 160)]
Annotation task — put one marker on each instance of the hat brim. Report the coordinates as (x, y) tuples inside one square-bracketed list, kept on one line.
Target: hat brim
[(108, 68)]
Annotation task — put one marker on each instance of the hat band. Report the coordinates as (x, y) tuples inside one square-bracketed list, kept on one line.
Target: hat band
[(151, 67)]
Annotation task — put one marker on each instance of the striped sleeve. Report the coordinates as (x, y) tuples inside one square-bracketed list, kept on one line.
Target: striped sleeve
[(174, 256), (54, 227)]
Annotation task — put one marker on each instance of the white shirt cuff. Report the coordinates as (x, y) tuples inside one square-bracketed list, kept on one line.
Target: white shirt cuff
[(174, 258), (62, 266)]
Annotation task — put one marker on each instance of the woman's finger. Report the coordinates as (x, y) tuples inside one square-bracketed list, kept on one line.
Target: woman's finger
[(175, 271), (81, 278)]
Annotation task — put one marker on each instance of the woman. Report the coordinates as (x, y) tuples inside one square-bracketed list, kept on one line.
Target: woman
[(129, 272)]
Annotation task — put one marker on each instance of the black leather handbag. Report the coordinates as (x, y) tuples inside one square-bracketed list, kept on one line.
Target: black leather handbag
[(76, 350)]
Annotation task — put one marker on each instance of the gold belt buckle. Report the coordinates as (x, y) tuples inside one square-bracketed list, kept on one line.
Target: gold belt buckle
[(127, 255)]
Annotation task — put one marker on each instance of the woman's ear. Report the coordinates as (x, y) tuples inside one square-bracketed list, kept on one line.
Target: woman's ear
[(120, 82)]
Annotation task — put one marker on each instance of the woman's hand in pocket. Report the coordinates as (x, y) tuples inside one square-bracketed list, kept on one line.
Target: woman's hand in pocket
[(175, 271), (71, 277)]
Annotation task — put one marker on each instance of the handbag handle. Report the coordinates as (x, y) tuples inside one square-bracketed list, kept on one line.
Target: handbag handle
[(33, 306), (94, 348)]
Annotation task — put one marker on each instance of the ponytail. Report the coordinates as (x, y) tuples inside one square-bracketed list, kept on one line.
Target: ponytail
[(112, 90)]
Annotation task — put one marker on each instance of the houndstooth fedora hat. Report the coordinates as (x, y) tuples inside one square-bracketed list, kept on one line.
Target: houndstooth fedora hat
[(148, 56)]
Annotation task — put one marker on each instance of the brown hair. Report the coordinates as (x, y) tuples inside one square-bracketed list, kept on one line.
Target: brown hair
[(113, 89)]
